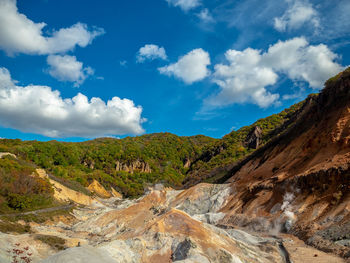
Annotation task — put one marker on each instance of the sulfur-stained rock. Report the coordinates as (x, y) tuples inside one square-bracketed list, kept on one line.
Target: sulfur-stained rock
[(97, 188)]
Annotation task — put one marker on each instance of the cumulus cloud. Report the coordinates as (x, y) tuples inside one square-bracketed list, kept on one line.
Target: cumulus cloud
[(301, 61), (41, 110), (299, 13), (185, 5), (244, 79), (248, 73), (150, 52), (67, 68), (18, 34), (190, 68)]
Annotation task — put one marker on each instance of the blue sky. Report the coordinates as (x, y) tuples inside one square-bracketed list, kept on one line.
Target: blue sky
[(72, 70)]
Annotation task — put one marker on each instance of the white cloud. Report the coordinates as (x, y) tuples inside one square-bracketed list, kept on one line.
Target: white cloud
[(41, 110), (303, 62), (185, 5), (299, 13), (205, 16), (244, 79), (190, 68), (67, 68), (249, 72), (18, 34), (150, 52)]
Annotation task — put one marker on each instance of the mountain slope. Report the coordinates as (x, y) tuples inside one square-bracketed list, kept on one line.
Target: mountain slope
[(219, 157), (302, 175)]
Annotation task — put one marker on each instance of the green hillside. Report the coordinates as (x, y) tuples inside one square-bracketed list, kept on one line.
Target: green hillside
[(165, 154), (131, 163), (232, 148)]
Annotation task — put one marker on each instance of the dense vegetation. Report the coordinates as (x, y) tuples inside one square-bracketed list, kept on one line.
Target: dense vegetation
[(19, 190), (171, 159), (165, 153)]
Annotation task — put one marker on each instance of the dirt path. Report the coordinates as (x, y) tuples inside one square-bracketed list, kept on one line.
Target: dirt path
[(44, 210)]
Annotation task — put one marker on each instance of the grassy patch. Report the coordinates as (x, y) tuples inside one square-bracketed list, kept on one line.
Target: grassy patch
[(40, 217), (56, 243), (13, 227)]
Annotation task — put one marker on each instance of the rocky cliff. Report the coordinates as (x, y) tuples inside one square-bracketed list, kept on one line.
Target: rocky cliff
[(134, 166), (253, 139)]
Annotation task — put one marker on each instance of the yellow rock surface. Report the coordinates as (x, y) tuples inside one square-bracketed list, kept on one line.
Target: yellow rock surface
[(63, 193), (97, 188)]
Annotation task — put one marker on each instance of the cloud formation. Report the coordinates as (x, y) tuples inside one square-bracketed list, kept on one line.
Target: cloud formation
[(299, 13), (205, 16), (244, 79), (248, 73), (18, 34), (41, 110), (150, 52), (190, 68), (67, 68), (185, 5)]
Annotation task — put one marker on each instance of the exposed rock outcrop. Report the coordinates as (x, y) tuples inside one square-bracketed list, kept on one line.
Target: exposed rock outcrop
[(131, 167), (65, 194), (253, 139), (3, 154), (187, 163), (89, 163), (97, 188)]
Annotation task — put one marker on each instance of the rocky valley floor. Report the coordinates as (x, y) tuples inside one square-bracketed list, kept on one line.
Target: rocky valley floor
[(163, 226)]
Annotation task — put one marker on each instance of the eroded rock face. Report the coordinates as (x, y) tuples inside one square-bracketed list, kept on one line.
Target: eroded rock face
[(253, 139), (135, 166), (97, 188), (65, 194)]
